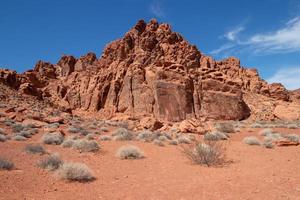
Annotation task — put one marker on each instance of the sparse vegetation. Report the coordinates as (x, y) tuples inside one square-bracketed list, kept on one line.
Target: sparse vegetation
[(19, 138), (52, 162), (173, 142), (105, 138), (75, 172), (268, 143), (266, 132), (251, 140), (183, 139), (90, 136), (225, 127), (122, 134), (68, 143), (145, 135), (86, 145), (6, 164), (292, 137), (104, 129), (34, 149), (158, 142), (2, 138), (129, 152), (55, 138), (211, 153), (292, 126), (215, 135)]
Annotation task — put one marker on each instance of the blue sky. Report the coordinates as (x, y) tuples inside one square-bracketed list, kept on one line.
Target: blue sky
[(264, 34)]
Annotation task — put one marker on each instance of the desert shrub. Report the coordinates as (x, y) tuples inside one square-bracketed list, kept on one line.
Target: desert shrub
[(105, 138), (53, 125), (183, 139), (68, 143), (28, 126), (17, 128), (52, 162), (129, 152), (162, 138), (211, 153), (122, 134), (173, 142), (19, 138), (2, 138), (75, 172), (158, 142), (225, 127), (145, 135), (6, 164), (92, 126), (215, 135), (2, 114), (73, 129), (192, 137), (292, 137), (90, 136), (34, 149), (104, 129), (255, 125), (55, 138), (86, 145), (24, 133), (118, 124), (2, 131), (33, 131), (266, 132), (251, 140), (292, 126), (9, 123), (274, 136), (268, 143)]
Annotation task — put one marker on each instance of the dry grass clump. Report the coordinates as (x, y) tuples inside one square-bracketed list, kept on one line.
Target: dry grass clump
[(183, 139), (215, 135), (292, 137), (173, 142), (90, 136), (51, 163), (17, 128), (158, 142), (122, 134), (34, 149), (210, 153), (251, 140), (68, 143), (75, 172), (268, 143), (225, 127), (2, 138), (19, 138), (105, 137), (145, 135), (86, 145), (266, 131), (129, 152), (6, 164), (55, 138), (292, 126)]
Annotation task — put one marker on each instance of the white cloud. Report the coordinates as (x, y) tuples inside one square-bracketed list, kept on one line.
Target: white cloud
[(156, 9), (284, 40), (289, 77), (232, 34)]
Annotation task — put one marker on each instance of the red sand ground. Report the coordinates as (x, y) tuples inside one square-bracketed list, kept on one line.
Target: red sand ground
[(165, 173)]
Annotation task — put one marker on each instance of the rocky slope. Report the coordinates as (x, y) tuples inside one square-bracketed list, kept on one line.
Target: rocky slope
[(154, 72)]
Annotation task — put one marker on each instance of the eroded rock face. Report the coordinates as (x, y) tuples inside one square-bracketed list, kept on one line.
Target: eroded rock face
[(154, 72)]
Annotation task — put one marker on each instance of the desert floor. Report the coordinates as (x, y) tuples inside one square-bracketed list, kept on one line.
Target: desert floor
[(253, 172)]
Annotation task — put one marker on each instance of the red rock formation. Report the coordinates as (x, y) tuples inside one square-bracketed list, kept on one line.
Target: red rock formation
[(152, 71)]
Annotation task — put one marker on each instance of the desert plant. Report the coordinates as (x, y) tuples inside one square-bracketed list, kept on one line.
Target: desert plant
[(75, 172), (17, 128), (34, 149), (266, 131), (225, 127), (268, 143), (210, 153), (2, 131), (52, 162), (73, 129), (2, 138), (292, 137), (68, 143), (24, 133), (105, 137), (173, 142), (292, 126), (90, 136), (6, 164), (251, 140), (256, 125), (86, 145), (55, 138), (184, 140), (162, 138), (158, 142), (122, 134), (19, 138), (145, 135), (215, 135), (274, 136), (129, 152), (104, 129)]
